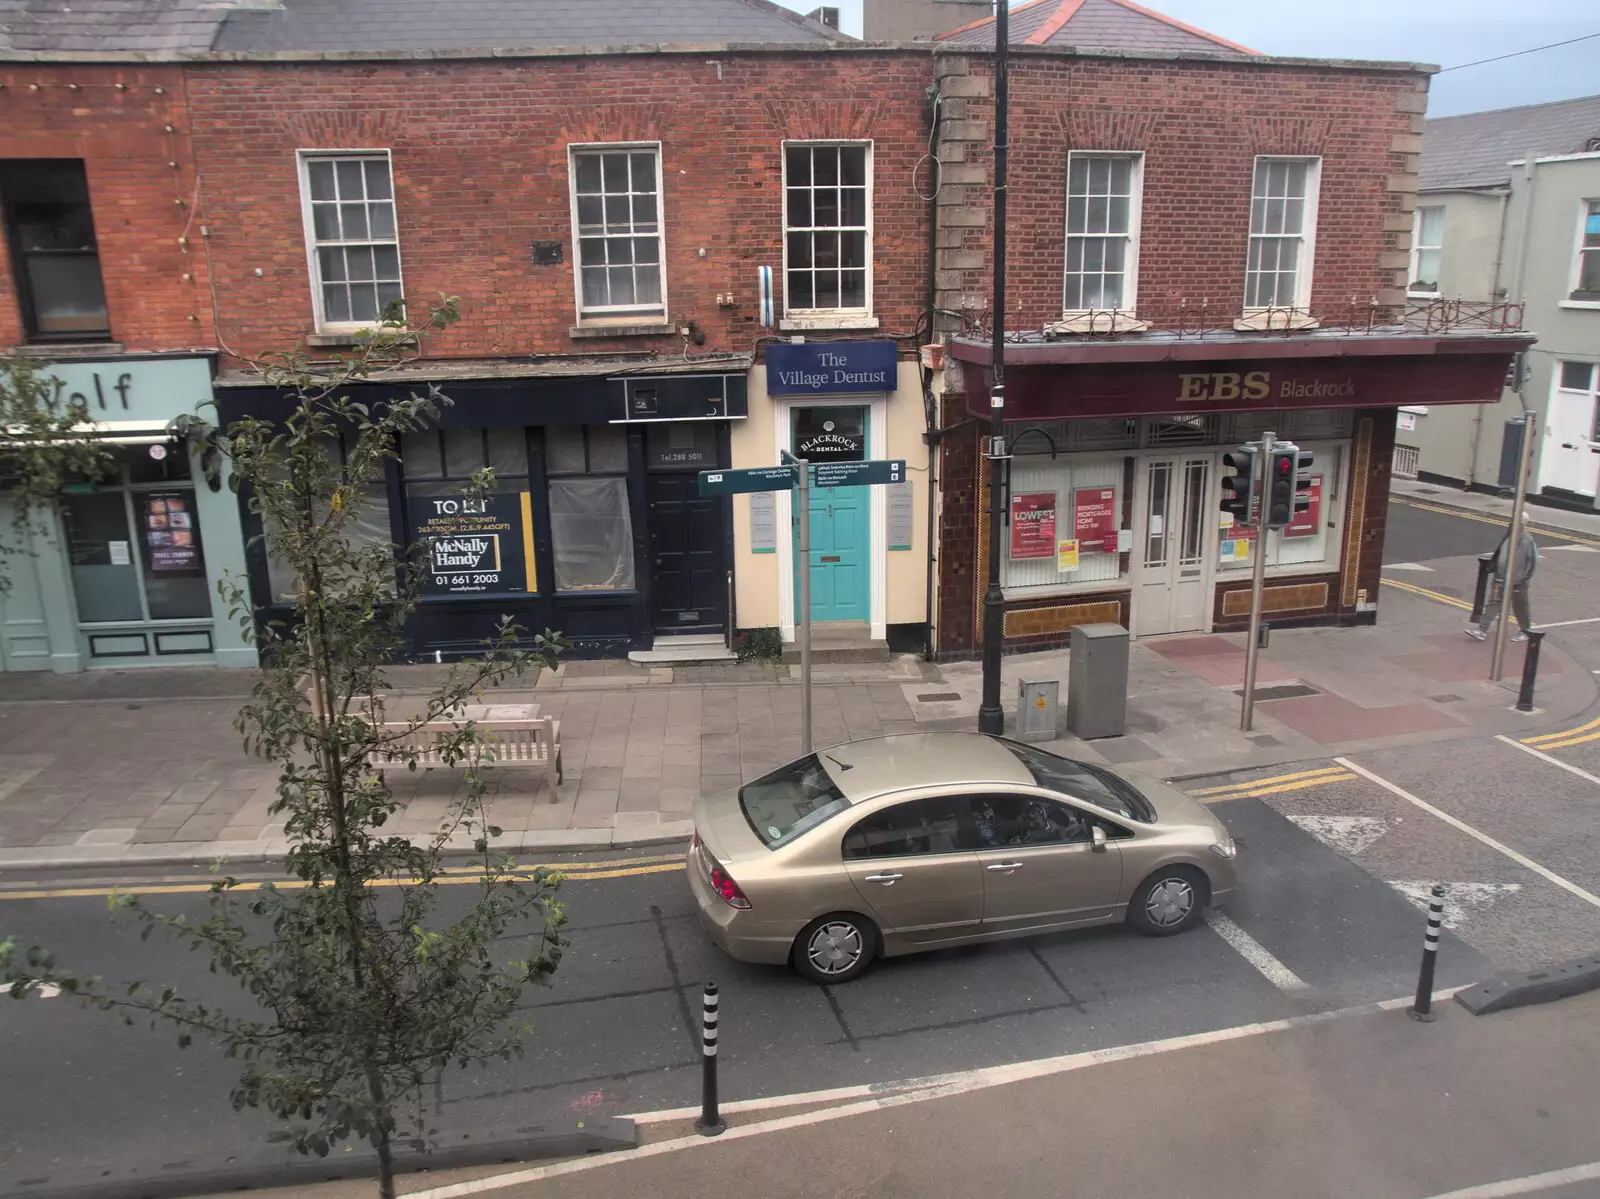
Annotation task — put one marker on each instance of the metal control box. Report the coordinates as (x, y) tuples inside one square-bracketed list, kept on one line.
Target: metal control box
[(1097, 681)]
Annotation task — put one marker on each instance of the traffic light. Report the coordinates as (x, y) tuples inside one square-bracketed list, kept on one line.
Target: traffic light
[(1280, 496), (1302, 481), (1239, 484)]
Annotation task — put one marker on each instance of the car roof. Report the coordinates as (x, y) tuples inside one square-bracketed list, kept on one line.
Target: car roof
[(864, 770)]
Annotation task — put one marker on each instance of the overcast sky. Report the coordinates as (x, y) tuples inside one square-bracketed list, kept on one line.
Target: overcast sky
[(1442, 32)]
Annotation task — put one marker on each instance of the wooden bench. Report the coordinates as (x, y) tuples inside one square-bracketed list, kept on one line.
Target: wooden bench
[(509, 743)]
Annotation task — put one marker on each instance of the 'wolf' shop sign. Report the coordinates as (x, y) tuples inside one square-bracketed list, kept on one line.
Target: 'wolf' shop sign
[(475, 545)]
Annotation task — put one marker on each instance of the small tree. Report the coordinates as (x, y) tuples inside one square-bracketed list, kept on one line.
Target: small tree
[(361, 992), (44, 444)]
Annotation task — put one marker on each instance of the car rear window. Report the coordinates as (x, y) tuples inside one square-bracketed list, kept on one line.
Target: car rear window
[(792, 799), (1083, 781)]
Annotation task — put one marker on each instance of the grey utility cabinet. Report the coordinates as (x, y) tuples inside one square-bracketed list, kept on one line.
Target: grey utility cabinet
[(1097, 681)]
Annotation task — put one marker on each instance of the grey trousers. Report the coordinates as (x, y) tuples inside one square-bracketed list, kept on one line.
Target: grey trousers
[(1519, 607)]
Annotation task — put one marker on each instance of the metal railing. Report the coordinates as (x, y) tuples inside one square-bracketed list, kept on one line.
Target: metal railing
[(1405, 461)]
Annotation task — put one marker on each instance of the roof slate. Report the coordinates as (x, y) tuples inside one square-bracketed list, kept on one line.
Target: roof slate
[(1475, 149), (1096, 25), (147, 26)]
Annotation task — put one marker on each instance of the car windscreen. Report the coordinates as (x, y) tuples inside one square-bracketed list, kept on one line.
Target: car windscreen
[(792, 799), (1083, 781)]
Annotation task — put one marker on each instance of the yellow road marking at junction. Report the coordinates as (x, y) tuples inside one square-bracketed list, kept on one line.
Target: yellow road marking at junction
[(1339, 771), (1495, 520), (1426, 594), (1569, 741), (575, 871), (1547, 740)]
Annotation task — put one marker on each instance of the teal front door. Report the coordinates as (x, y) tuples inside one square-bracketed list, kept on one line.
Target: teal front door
[(841, 522)]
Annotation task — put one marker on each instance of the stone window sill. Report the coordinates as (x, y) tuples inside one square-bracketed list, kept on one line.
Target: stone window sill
[(826, 321), (1275, 320), (347, 337), (622, 329)]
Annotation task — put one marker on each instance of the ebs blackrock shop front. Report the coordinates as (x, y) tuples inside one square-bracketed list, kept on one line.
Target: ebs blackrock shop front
[(1113, 501), (594, 527)]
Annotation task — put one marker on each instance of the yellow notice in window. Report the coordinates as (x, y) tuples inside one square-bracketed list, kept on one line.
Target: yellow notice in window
[(1066, 555), (527, 543)]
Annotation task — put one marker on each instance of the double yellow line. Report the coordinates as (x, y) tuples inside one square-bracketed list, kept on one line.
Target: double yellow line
[(1274, 785), (571, 871), (1577, 736), (1426, 594)]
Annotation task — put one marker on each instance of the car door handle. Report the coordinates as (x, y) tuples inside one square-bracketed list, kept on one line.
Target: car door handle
[(1005, 867), (886, 879)]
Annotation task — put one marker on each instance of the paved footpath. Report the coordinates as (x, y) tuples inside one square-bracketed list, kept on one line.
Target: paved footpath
[(123, 767)]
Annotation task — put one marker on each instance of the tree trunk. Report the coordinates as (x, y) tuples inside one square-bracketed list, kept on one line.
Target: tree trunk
[(381, 1138)]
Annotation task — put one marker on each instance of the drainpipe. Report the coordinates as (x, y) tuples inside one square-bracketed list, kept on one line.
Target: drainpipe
[(930, 413), (1494, 295)]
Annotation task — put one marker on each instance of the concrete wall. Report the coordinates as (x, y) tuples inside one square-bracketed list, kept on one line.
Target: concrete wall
[(760, 578)]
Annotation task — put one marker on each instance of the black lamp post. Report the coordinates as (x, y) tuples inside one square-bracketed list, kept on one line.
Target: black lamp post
[(991, 718)]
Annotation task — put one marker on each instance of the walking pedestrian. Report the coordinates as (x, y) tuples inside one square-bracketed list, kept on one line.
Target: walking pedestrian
[(1526, 562)]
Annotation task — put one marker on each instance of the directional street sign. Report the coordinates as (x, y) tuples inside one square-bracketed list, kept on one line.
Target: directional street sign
[(858, 474), (760, 478)]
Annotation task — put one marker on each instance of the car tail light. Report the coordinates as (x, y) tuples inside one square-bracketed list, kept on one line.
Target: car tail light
[(722, 883)]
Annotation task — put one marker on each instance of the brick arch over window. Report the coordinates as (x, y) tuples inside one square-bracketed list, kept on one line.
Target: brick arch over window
[(344, 128), (616, 122), (824, 120), (1288, 135), (1103, 130)]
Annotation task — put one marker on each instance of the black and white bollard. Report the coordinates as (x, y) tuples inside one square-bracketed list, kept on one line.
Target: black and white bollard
[(1530, 670), (1423, 1008), (710, 1123)]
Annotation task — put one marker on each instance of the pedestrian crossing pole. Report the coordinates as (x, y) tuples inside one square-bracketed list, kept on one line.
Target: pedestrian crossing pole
[(1258, 574), (1422, 1009), (710, 1123)]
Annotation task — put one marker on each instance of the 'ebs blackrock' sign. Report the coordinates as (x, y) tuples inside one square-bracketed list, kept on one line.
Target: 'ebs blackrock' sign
[(474, 545), (830, 368)]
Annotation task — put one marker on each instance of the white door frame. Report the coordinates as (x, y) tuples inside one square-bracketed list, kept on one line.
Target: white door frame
[(878, 504), (1560, 466), (1210, 525)]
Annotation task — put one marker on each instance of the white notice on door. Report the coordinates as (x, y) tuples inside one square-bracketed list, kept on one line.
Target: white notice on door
[(1158, 525), (119, 553)]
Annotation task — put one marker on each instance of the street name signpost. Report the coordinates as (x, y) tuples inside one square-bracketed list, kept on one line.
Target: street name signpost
[(795, 474)]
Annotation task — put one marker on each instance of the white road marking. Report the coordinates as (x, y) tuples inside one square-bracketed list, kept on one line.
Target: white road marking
[(1519, 859), (1567, 766), (1526, 1184), (1407, 566), (1257, 954), (1561, 624), (1569, 549), (1348, 835), (1460, 899), (917, 1090)]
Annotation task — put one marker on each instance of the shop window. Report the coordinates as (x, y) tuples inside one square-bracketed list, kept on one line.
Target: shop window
[(1427, 247), (591, 527), (1102, 231), (48, 220), (1056, 500), (1586, 286), (827, 227), (616, 205), (1283, 219), (1309, 540), (368, 528), (352, 237), (680, 445), (478, 542)]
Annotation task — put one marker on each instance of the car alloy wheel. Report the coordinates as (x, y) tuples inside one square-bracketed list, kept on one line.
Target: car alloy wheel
[(1169, 902), (835, 948)]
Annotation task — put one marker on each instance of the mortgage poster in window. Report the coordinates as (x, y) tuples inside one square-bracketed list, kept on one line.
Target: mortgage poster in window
[(1033, 525), (168, 520), (475, 545), (1094, 518), (1305, 524)]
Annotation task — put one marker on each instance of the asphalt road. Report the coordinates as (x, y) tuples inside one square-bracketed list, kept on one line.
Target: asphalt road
[(1335, 863)]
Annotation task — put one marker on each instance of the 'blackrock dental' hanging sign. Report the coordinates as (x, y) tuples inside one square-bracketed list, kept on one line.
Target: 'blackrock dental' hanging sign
[(475, 545), (817, 368)]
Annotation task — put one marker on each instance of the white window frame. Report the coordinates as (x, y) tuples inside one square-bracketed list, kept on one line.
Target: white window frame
[(1417, 247), (824, 317), (1130, 273), (303, 161), (636, 314), (1570, 300), (1308, 233)]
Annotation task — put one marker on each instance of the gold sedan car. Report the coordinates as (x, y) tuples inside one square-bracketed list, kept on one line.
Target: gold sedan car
[(927, 840)]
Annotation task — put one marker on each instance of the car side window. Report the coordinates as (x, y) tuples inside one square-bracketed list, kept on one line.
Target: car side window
[(1025, 820), (922, 826)]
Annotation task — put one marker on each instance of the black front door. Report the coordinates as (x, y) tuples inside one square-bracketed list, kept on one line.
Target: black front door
[(689, 581)]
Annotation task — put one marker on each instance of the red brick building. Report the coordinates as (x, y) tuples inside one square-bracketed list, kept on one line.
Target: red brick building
[(1203, 243)]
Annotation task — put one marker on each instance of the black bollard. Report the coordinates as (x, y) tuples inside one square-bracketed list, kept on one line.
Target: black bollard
[(1530, 671), (1481, 595), (710, 1123), (1423, 1008)]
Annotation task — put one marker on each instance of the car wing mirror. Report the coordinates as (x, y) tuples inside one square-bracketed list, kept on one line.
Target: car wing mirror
[(1097, 838)]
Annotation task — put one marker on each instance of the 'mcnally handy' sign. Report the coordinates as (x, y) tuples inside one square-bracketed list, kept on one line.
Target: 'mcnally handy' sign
[(817, 368)]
